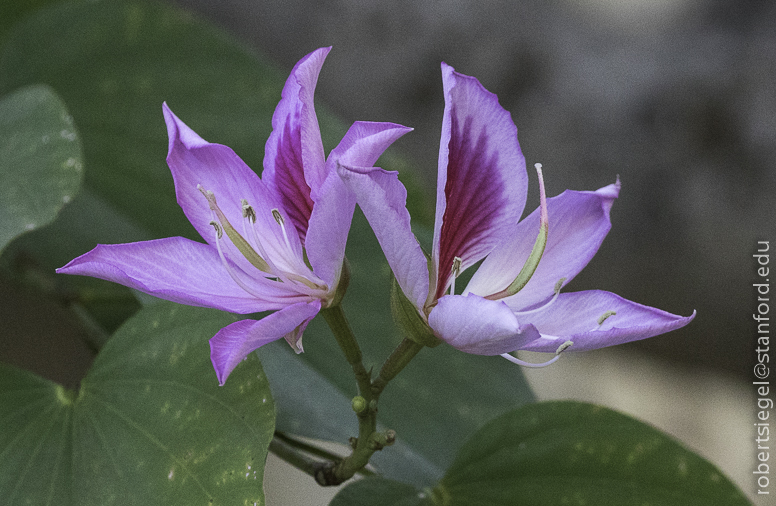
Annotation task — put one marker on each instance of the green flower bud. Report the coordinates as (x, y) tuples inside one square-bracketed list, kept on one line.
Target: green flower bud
[(358, 404)]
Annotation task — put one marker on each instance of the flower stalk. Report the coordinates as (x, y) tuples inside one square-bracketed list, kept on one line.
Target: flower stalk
[(369, 440)]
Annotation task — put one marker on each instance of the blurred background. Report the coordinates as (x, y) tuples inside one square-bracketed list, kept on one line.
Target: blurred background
[(678, 97)]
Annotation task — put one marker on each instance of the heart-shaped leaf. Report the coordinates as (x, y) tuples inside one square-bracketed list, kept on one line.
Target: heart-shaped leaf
[(565, 453), (149, 425)]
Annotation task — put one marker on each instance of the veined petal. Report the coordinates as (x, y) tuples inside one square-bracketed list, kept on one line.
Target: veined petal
[(479, 326), (482, 181), (365, 142), (329, 227), (579, 222), (179, 270), (234, 342), (216, 168), (383, 199), (575, 317), (334, 203), (294, 157)]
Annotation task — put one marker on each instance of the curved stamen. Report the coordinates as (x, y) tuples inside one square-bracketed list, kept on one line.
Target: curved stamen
[(249, 215), (602, 319), (605, 316), (229, 269), (279, 219), (239, 241), (557, 288), (517, 361), (250, 231), (294, 259), (563, 347), (532, 263)]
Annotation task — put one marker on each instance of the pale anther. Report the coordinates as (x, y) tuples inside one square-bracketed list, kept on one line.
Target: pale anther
[(457, 266), (276, 214), (456, 272), (563, 347), (219, 230), (605, 316), (247, 211), (557, 289)]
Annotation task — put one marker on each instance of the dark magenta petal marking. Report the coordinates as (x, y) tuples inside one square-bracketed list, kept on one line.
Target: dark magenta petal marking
[(289, 176), (475, 196)]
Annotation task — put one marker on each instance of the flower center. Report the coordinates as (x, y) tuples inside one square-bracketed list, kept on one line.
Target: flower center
[(253, 249)]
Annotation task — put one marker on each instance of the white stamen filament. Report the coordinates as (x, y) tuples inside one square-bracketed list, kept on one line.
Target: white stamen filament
[(517, 361), (228, 268), (563, 347), (292, 259), (250, 231), (279, 218), (558, 286)]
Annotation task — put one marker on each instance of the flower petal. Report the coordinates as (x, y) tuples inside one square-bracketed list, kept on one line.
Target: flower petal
[(234, 342), (383, 199), (329, 227), (575, 317), (334, 203), (294, 157), (479, 326), (578, 224), (365, 142), (217, 168), (178, 270), (482, 181)]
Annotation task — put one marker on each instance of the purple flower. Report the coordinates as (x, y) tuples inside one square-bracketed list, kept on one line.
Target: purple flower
[(513, 301), (257, 231)]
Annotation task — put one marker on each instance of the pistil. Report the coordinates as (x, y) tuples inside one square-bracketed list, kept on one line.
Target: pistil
[(240, 243), (532, 262)]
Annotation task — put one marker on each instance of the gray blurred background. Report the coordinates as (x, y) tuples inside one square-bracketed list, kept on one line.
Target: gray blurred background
[(678, 97)]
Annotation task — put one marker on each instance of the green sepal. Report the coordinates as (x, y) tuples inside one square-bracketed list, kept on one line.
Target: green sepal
[(342, 284), (406, 316)]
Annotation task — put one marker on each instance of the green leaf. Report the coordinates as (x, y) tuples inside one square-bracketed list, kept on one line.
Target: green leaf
[(149, 425), (114, 63), (378, 492), (565, 452), (557, 452), (40, 160)]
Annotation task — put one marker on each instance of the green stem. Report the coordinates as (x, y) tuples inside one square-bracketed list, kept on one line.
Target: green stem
[(287, 452), (300, 454), (369, 440), (340, 327), (397, 361)]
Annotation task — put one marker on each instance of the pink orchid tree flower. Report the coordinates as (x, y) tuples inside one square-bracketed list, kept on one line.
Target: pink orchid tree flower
[(513, 301), (257, 230)]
